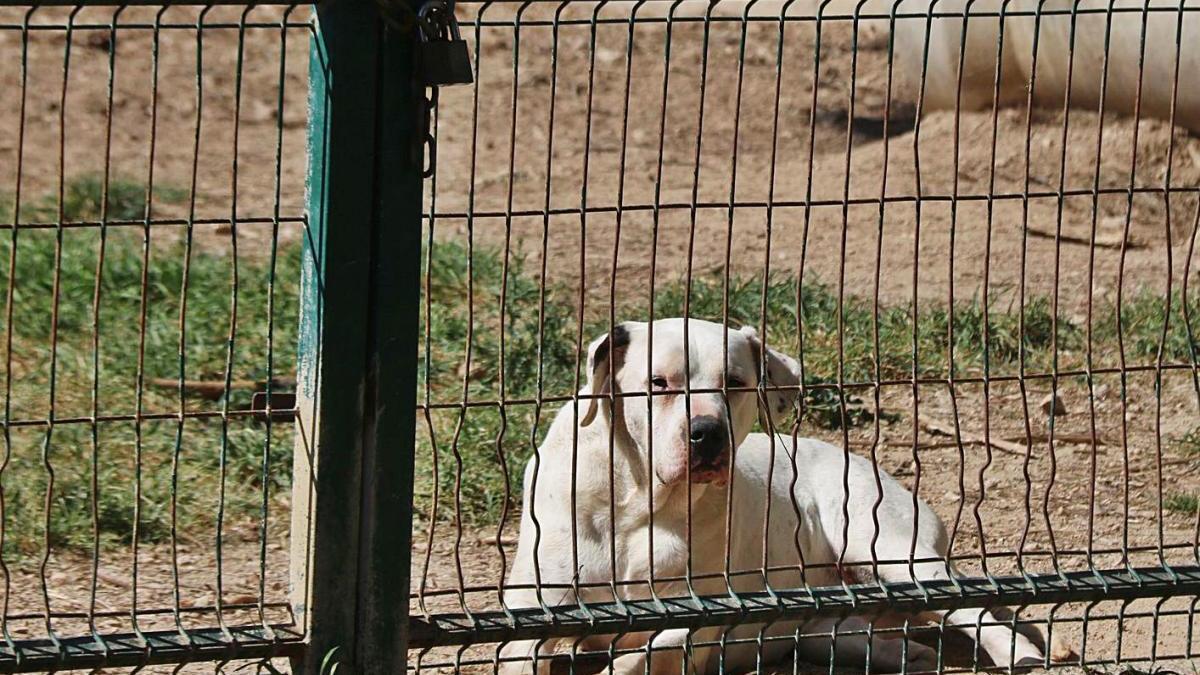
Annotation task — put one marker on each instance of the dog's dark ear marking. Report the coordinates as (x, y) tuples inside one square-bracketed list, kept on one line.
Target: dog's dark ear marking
[(600, 368), (617, 339), (620, 336), (600, 353), (782, 376)]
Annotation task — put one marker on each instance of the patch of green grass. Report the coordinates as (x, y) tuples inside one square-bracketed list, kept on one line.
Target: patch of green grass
[(1146, 326), (1188, 443), (66, 300), (849, 336), (83, 199), (1180, 502), (539, 347)]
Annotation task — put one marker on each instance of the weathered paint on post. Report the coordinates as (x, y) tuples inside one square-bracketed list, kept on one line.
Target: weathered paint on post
[(356, 376)]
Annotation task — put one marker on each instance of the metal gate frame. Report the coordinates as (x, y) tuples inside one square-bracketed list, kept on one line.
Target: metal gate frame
[(355, 421)]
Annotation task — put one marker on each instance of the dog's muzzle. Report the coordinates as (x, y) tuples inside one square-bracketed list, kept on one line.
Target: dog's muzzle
[(708, 445)]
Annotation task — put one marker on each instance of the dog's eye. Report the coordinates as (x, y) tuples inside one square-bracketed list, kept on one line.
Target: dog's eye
[(659, 382)]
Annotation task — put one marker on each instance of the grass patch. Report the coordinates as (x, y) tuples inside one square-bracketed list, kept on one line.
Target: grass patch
[(83, 199), (1189, 443), (539, 346), (88, 471), (864, 340), (1180, 502)]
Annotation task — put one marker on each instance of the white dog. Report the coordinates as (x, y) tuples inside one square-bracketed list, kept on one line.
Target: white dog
[(1149, 50), (664, 444)]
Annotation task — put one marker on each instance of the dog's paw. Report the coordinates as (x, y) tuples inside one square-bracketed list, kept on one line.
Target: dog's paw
[(1027, 664), (902, 656), (920, 658), (1062, 651)]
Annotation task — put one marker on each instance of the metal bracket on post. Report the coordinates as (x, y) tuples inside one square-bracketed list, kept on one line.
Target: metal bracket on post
[(356, 370)]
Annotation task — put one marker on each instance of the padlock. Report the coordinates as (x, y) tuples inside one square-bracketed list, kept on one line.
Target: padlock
[(444, 57), (445, 62)]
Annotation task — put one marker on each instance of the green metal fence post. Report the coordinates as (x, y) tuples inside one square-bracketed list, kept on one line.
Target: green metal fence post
[(356, 376)]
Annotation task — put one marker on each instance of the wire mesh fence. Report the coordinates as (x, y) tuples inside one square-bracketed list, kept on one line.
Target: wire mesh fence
[(935, 407), (963, 234), (152, 165)]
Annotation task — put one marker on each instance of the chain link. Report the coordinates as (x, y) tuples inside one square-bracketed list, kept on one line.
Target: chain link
[(429, 142)]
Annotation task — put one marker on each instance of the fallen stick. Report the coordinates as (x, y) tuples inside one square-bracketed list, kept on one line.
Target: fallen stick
[(925, 446), (214, 389), (1074, 439), (1102, 241), (939, 428), (1083, 439)]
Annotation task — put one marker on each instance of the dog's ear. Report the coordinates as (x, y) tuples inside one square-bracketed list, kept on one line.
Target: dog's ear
[(781, 371), (602, 354)]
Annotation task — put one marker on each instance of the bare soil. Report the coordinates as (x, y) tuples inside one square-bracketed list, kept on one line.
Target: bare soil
[(728, 138), (171, 590), (199, 99)]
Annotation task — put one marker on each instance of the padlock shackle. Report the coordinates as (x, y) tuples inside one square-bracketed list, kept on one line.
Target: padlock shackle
[(443, 56), (436, 19)]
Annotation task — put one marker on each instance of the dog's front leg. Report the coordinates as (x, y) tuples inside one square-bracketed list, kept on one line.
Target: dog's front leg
[(670, 653)]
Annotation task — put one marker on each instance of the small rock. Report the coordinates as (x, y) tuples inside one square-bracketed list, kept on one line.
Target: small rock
[(872, 36), (1053, 404), (609, 56), (1061, 650), (1113, 222), (100, 40)]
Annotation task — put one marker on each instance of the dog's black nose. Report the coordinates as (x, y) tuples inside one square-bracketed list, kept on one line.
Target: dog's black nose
[(708, 438)]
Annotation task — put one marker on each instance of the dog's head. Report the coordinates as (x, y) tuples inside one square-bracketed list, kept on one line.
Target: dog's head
[(685, 435)]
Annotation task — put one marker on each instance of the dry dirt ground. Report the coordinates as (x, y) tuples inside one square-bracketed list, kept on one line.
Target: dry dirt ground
[(723, 161), (737, 128)]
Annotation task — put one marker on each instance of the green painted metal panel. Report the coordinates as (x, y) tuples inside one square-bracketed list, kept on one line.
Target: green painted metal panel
[(356, 374), (125, 650)]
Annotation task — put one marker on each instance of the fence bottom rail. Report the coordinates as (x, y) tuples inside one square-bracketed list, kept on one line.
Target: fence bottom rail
[(151, 647), (760, 607)]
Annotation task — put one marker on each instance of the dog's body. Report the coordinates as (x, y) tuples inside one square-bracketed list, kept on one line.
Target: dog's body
[(620, 471)]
